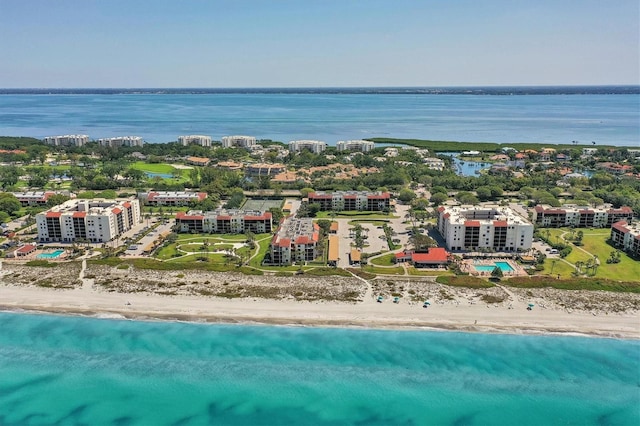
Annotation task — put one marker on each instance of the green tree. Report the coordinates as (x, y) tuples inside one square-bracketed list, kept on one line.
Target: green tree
[(9, 203), (406, 195), (56, 200), (438, 198), (9, 176), (497, 272)]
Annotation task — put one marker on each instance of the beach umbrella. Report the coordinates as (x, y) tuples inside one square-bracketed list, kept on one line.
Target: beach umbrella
[(531, 305)]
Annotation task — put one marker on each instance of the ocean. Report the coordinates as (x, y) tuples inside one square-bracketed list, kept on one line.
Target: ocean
[(558, 116), (79, 370)]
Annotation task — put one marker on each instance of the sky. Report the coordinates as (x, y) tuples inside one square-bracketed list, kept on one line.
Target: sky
[(317, 43)]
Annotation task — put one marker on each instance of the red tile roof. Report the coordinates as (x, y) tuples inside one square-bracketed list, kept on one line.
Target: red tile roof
[(500, 223), (27, 248), (184, 216), (116, 210), (435, 255), (621, 226), (472, 223), (53, 214), (284, 242), (79, 214)]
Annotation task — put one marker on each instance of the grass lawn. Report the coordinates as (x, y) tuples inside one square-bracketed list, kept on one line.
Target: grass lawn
[(386, 260), (373, 222), (427, 272), (398, 270), (163, 168), (153, 168), (167, 252), (196, 247), (560, 268), (627, 270), (213, 258), (577, 255), (216, 238)]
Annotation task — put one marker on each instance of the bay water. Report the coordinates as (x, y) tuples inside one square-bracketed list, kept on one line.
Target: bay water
[(606, 119), (80, 370)]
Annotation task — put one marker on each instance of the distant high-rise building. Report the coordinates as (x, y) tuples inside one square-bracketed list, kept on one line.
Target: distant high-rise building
[(119, 141), (67, 140), (313, 146), (355, 145), (247, 142), (195, 140)]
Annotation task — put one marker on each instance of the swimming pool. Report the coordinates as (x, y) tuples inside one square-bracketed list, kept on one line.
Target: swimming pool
[(51, 255), (504, 267)]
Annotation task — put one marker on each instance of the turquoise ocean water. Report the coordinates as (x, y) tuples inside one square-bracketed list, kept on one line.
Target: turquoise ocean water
[(75, 370), (612, 119)]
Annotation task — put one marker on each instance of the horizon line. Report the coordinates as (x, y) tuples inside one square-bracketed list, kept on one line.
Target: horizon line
[(328, 87)]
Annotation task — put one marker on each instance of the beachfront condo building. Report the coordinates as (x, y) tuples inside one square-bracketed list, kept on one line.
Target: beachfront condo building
[(579, 217), (195, 140), (351, 200), (626, 237), (171, 198), (119, 141), (33, 198), (67, 140), (472, 228), (314, 146), (246, 142), (223, 221), (96, 220), (356, 145), (296, 240)]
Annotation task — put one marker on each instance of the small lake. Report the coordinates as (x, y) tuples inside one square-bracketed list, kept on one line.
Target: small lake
[(466, 168)]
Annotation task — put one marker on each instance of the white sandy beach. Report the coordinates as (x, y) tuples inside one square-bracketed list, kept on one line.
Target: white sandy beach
[(459, 311)]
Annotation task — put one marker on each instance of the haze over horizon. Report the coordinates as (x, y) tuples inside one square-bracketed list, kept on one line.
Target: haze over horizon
[(315, 44)]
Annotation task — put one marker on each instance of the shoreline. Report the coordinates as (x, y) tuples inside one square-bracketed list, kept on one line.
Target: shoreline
[(266, 312)]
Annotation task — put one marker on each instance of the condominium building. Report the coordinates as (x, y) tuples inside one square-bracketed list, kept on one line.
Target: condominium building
[(67, 140), (351, 200), (33, 198), (484, 227), (627, 237), (264, 169), (195, 140), (119, 141), (296, 240), (171, 198), (313, 146), (581, 217), (223, 221), (96, 220), (355, 145), (247, 142)]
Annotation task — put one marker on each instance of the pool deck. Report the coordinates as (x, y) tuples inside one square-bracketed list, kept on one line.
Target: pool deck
[(35, 254), (468, 266)]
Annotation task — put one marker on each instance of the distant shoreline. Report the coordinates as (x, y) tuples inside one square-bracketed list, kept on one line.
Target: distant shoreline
[(452, 90)]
